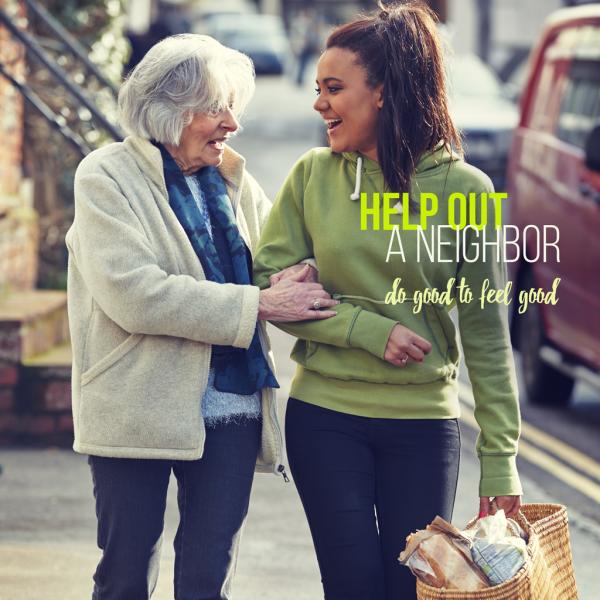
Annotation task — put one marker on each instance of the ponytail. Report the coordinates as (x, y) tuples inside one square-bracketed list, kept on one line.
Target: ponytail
[(399, 47)]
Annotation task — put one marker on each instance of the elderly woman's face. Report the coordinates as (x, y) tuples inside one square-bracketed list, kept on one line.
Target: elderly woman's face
[(202, 141), (348, 105)]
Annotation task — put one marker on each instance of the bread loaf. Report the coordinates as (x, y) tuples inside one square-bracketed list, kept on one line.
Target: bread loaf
[(452, 569)]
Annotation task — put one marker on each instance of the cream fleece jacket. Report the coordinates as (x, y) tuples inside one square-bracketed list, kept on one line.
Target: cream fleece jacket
[(142, 315)]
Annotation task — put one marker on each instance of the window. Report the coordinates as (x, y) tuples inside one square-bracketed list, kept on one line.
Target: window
[(580, 108), (546, 90)]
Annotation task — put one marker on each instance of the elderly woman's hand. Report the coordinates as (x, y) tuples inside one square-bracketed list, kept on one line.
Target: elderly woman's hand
[(292, 299), (307, 272)]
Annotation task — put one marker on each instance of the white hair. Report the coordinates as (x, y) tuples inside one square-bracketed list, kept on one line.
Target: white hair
[(179, 77)]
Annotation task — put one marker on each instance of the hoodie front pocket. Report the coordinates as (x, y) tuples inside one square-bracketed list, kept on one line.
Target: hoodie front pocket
[(357, 364), (437, 336), (428, 322)]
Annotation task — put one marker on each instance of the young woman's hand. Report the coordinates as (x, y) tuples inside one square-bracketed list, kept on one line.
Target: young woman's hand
[(404, 345), (509, 504), (294, 300), (307, 273)]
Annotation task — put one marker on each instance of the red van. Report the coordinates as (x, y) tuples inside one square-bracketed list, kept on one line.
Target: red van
[(554, 179)]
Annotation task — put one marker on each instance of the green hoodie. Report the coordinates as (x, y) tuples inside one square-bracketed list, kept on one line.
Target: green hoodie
[(340, 360)]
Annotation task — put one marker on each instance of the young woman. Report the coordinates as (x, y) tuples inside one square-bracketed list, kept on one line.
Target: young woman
[(371, 427)]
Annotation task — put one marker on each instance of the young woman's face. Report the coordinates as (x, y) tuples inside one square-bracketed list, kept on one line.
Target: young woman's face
[(348, 105)]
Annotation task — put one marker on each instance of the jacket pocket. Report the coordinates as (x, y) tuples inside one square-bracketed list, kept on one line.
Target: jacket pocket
[(146, 393), (111, 358)]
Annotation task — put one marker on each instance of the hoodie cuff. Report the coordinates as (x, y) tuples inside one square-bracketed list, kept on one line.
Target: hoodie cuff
[(370, 332), (499, 476)]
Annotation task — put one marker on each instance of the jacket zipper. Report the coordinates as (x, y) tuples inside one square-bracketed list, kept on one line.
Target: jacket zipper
[(281, 469), (273, 414), (272, 404)]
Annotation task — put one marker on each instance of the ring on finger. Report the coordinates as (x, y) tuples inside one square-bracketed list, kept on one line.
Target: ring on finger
[(316, 304)]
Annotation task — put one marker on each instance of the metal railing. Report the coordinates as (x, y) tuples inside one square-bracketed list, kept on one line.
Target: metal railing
[(70, 43), (79, 95), (74, 139)]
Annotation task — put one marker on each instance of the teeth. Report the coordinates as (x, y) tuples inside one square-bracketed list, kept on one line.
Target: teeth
[(332, 122)]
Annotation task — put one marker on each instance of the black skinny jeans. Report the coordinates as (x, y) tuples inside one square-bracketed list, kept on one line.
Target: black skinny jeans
[(366, 484)]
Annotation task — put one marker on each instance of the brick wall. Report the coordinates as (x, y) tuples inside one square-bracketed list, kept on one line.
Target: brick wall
[(44, 407), (35, 380), (11, 118), (18, 246), (9, 420), (18, 222), (35, 406)]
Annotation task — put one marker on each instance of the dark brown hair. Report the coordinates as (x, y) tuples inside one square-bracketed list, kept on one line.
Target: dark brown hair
[(399, 47)]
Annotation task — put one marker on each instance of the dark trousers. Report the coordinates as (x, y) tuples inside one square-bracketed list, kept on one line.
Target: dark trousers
[(213, 496), (365, 484)]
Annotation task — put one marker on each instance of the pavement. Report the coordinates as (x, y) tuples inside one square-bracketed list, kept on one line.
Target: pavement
[(47, 520)]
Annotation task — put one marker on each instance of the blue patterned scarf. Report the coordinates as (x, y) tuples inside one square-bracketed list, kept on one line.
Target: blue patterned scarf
[(237, 370)]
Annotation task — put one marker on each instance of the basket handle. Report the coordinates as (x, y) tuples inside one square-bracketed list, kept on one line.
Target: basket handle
[(520, 515)]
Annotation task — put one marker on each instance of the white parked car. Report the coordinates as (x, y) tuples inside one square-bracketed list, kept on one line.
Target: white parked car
[(484, 113), (261, 37)]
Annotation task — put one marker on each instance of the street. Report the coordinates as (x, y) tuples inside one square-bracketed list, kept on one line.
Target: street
[(47, 521)]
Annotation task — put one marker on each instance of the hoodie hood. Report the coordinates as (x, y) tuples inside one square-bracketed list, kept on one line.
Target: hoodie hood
[(436, 158), (429, 162)]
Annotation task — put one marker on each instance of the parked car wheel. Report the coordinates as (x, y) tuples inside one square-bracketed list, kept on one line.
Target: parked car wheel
[(544, 384)]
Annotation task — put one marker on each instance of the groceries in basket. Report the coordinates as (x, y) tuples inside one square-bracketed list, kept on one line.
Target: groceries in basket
[(487, 554)]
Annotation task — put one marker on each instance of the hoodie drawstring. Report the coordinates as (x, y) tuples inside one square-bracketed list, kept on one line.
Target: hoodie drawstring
[(356, 194)]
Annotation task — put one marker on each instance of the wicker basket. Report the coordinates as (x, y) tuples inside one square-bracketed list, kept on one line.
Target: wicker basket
[(547, 576)]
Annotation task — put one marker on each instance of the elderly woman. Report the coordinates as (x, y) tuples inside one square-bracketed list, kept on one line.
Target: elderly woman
[(171, 362)]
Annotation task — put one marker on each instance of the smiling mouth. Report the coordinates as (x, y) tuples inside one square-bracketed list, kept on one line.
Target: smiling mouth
[(333, 124), (218, 144)]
